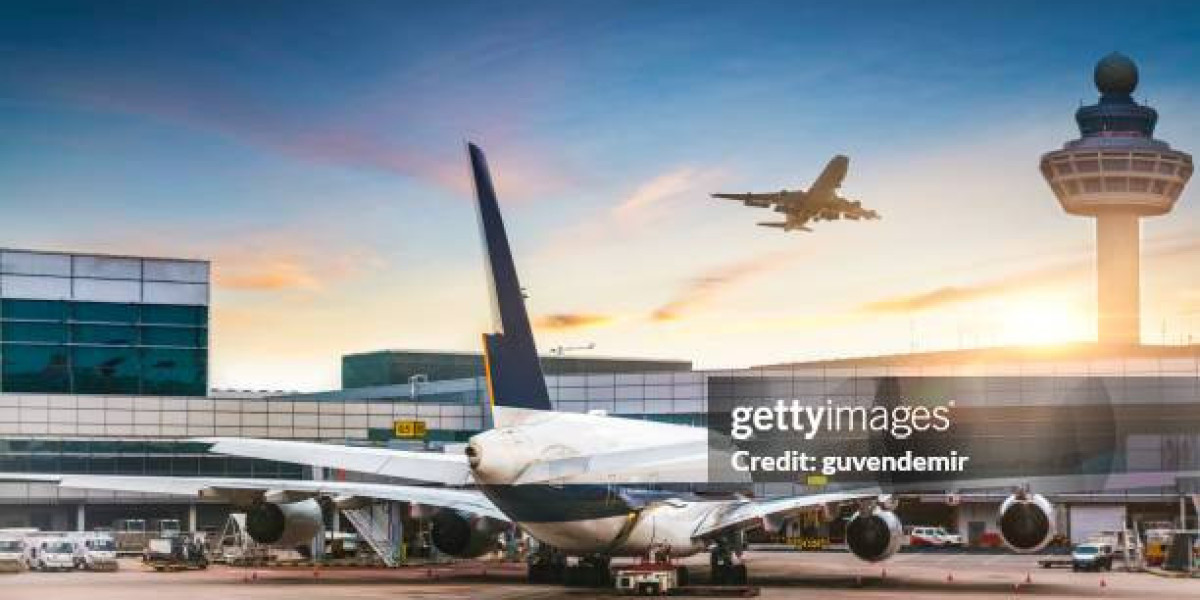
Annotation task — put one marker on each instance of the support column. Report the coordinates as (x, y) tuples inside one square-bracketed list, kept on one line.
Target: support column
[(396, 531), (81, 517), (1118, 278), (191, 518)]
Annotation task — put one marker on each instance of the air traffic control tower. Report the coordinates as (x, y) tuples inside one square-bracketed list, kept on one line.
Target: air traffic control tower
[(1118, 173)]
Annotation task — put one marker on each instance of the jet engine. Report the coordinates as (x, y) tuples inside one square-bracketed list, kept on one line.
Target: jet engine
[(1026, 522), (286, 524), (874, 536), (461, 535)]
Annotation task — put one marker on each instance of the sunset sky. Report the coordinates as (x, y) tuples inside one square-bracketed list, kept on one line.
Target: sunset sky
[(314, 152)]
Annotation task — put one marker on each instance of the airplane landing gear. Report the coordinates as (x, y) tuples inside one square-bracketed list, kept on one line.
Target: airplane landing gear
[(727, 569)]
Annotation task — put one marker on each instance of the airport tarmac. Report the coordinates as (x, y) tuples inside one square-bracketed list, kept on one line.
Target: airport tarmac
[(781, 575)]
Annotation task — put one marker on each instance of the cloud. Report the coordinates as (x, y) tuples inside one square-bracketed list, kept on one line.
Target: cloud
[(565, 321), (648, 198), (1163, 247), (701, 290), (280, 273)]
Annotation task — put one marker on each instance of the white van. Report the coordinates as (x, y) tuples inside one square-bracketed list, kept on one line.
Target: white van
[(56, 554), (98, 552), (12, 555)]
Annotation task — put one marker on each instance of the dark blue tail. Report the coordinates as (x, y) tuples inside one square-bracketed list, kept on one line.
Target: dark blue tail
[(513, 372)]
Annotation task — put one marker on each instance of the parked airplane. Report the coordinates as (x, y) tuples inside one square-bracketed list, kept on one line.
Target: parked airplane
[(575, 482), (819, 203)]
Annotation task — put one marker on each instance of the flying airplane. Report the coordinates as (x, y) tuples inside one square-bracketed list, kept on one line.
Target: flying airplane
[(819, 203), (585, 496)]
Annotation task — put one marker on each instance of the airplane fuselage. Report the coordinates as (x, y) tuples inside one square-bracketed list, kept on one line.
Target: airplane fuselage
[(586, 518)]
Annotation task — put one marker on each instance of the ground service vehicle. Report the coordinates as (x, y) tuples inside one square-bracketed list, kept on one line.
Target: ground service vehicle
[(1092, 557), (926, 537), (56, 554), (175, 554), (98, 553), (12, 555)]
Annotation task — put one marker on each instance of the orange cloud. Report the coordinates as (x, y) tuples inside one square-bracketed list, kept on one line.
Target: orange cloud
[(269, 275), (564, 321), (703, 289)]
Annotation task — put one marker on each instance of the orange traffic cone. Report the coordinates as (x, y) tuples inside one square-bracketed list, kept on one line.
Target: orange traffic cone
[(950, 577), (1028, 578), (1103, 583)]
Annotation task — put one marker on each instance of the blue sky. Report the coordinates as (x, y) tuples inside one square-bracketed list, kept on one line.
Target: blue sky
[(313, 151)]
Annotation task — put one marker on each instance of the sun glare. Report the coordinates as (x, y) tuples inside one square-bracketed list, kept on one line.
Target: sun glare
[(1040, 320)]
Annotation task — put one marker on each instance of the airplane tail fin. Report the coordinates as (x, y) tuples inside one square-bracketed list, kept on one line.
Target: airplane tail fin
[(513, 371)]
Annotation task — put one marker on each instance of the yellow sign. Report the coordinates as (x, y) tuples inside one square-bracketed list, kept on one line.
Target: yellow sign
[(817, 480), (409, 429)]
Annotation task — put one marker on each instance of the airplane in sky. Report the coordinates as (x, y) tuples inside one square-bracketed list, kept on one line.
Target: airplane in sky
[(584, 485), (819, 203)]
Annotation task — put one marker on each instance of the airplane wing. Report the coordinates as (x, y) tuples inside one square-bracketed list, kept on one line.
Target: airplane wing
[(765, 513), (753, 514), (783, 198), (849, 209), (431, 467), (471, 501)]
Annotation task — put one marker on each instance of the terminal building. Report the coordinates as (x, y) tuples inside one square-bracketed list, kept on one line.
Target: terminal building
[(104, 371)]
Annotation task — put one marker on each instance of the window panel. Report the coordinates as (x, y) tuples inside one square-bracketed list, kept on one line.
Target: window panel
[(170, 314), (173, 372), (112, 335), (182, 337), (104, 312), (35, 369), (42, 310), (21, 331), (105, 370)]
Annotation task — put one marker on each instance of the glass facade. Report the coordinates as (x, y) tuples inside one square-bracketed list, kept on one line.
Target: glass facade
[(395, 367), (77, 347), (133, 457)]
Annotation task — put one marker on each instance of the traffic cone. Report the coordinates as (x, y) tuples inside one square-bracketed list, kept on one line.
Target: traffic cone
[(883, 574), (950, 577), (1103, 583), (253, 575), (1028, 578), (316, 572)]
